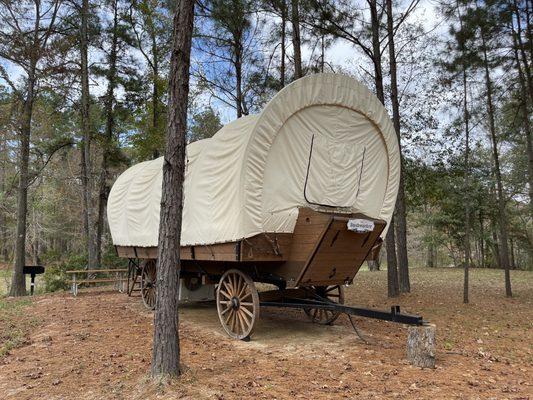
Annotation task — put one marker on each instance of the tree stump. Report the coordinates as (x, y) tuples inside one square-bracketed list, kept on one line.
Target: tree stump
[(421, 345)]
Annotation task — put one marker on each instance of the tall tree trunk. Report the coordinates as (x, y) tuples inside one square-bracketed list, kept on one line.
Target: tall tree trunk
[(393, 287), (481, 239), (466, 189), (390, 239), (401, 218), (18, 281), (283, 44), (108, 139), (155, 87), (238, 76), (495, 246), (526, 116), (166, 351), (521, 46), (86, 131), (3, 227), (497, 172), (376, 50), (296, 42)]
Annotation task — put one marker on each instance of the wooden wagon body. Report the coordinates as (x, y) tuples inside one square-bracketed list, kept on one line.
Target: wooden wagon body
[(320, 251), (297, 196)]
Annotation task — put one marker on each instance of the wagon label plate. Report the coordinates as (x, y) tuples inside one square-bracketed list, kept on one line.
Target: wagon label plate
[(360, 225)]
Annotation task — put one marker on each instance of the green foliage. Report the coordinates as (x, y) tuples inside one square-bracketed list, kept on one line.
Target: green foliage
[(55, 277), (111, 260), (204, 125)]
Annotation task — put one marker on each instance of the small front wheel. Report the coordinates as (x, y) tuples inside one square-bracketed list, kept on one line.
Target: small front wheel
[(237, 304), (148, 283), (333, 294)]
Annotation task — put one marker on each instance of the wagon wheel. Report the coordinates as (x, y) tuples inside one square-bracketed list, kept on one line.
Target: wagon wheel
[(237, 304), (334, 294), (132, 277), (148, 283)]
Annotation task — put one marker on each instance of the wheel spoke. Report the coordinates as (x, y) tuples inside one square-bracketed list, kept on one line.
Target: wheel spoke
[(229, 315), (246, 304), (225, 310), (245, 296), (241, 323), (250, 314), (225, 294), (231, 280), (228, 288), (243, 288)]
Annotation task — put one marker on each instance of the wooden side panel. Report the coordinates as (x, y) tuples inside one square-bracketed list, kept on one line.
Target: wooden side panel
[(339, 254), (136, 252), (266, 247), (217, 252), (146, 252)]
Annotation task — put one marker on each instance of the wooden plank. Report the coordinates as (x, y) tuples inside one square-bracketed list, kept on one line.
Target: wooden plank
[(91, 271), (98, 280), (216, 252), (266, 247)]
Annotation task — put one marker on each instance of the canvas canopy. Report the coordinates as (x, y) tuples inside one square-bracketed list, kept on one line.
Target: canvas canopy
[(323, 141)]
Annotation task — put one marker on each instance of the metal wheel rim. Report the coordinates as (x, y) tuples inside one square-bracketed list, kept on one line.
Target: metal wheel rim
[(334, 293), (148, 283), (237, 304)]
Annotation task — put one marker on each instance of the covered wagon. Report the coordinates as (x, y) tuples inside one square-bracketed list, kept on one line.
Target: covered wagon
[(297, 196)]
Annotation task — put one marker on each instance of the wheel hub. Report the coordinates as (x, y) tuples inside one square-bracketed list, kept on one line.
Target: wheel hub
[(235, 303)]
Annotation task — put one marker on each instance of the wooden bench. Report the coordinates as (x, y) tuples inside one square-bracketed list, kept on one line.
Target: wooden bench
[(119, 278)]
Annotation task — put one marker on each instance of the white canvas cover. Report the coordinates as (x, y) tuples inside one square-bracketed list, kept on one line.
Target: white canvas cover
[(323, 141)]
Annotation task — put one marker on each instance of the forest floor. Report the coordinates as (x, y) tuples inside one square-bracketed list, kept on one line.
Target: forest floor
[(98, 346)]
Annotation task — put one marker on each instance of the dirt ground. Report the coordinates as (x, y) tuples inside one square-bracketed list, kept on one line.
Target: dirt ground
[(98, 346)]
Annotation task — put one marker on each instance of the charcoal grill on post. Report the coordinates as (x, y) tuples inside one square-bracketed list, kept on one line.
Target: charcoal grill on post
[(33, 270)]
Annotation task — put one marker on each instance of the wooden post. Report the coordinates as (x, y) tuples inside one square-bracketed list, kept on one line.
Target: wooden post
[(421, 345)]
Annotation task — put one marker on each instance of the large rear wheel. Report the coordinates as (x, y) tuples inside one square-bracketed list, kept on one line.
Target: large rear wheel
[(237, 304)]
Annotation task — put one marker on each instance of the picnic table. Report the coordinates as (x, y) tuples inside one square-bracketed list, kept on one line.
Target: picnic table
[(89, 276)]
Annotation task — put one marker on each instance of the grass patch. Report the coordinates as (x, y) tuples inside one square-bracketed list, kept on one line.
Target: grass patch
[(15, 324)]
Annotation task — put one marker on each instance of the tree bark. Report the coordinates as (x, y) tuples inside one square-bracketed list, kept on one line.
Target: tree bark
[(481, 239), (393, 287), (421, 346), (401, 218), (390, 239), (18, 281), (110, 124), (283, 44), (238, 75), (466, 189), (3, 228), (466, 184), (296, 42), (155, 87), (376, 50), (86, 140), (166, 351), (521, 46), (497, 172)]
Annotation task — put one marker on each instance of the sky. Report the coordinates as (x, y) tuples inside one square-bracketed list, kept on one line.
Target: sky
[(341, 54)]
